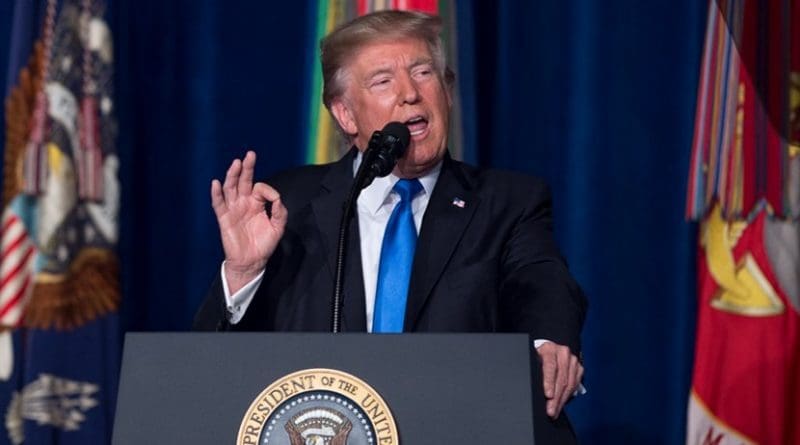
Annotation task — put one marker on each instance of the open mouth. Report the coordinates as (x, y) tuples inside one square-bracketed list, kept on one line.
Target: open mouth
[(416, 125)]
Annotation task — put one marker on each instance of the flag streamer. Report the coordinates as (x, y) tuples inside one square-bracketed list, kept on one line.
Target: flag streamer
[(747, 124)]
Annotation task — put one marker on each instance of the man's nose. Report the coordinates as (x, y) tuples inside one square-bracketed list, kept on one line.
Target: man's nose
[(409, 90)]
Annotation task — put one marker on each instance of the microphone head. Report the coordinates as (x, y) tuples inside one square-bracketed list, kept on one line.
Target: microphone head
[(385, 148), (398, 137)]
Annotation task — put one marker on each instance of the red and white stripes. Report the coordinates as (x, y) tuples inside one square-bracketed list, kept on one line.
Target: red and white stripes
[(17, 256)]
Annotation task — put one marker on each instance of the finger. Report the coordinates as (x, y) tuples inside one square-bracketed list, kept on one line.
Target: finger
[(264, 192), (572, 382), (562, 367), (231, 181), (552, 408), (217, 199), (572, 376), (245, 185), (279, 214), (548, 371)]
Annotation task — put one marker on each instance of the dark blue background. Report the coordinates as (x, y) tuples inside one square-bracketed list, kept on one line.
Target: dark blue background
[(597, 97)]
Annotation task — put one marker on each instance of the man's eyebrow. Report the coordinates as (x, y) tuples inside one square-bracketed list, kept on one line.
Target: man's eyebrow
[(378, 71), (388, 69), (421, 61)]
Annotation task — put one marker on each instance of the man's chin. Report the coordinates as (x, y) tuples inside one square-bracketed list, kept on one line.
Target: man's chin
[(414, 168)]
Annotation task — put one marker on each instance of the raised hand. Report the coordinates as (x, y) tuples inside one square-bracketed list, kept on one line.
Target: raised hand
[(249, 235)]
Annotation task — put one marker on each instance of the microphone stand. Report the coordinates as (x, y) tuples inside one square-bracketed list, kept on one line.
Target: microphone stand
[(364, 177), (384, 148)]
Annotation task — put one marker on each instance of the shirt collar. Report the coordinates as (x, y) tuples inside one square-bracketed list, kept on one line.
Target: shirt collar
[(375, 195)]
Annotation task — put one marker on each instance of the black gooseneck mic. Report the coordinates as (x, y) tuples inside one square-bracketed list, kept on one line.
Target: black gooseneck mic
[(385, 147)]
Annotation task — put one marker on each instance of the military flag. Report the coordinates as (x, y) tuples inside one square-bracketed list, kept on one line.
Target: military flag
[(744, 188), (59, 291)]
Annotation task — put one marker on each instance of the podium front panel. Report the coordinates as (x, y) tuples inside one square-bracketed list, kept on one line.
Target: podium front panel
[(195, 388)]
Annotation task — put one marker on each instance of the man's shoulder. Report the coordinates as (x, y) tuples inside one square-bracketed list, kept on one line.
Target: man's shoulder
[(502, 182), (298, 186)]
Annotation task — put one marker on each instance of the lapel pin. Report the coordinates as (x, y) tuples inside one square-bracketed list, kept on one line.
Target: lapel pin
[(458, 202)]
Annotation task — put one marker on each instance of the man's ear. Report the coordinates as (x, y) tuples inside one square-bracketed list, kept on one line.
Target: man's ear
[(344, 117), (449, 93), (449, 83)]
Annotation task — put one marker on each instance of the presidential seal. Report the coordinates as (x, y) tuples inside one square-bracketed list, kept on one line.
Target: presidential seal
[(318, 407)]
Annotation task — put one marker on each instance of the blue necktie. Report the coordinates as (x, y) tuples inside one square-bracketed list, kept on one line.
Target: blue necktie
[(397, 257)]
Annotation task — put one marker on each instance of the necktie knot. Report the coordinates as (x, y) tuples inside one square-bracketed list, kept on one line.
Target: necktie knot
[(407, 189)]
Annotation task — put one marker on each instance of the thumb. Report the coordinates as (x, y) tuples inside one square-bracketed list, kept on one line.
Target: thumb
[(279, 214)]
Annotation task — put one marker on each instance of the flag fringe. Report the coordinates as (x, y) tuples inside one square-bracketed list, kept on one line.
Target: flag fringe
[(89, 290), (19, 109)]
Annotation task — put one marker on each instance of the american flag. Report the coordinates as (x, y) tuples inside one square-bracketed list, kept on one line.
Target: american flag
[(59, 289)]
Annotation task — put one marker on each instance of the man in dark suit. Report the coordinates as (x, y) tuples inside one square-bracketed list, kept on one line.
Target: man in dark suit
[(484, 259)]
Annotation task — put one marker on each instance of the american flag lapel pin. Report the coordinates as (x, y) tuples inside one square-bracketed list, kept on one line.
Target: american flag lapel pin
[(458, 202)]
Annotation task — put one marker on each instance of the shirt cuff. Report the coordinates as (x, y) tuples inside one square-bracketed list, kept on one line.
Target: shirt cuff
[(237, 303)]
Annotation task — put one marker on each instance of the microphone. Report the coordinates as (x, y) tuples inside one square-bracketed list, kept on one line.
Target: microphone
[(385, 147)]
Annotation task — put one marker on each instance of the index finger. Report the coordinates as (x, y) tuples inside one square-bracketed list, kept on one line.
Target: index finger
[(265, 192), (548, 374)]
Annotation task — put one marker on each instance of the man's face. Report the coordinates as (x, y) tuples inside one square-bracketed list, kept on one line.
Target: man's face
[(397, 81)]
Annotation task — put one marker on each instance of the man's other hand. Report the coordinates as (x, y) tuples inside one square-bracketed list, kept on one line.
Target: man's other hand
[(562, 373)]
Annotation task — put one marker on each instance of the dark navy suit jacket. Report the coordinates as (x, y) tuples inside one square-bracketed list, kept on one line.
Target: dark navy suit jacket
[(490, 265)]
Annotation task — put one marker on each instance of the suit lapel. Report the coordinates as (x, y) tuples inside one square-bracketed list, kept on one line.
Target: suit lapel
[(327, 210), (449, 211)]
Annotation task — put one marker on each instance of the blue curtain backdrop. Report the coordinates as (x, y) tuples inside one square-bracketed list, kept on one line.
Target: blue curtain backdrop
[(596, 97)]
